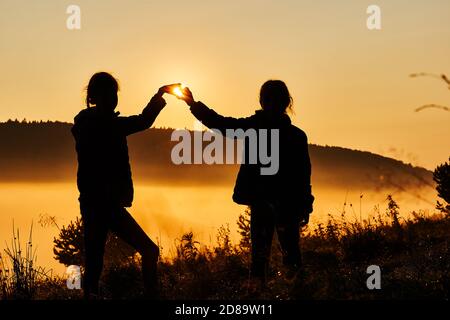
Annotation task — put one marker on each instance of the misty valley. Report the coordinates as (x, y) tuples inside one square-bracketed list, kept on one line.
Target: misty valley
[(38, 179)]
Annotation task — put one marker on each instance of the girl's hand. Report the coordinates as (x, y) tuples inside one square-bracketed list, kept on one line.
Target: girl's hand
[(168, 88), (304, 220), (187, 96)]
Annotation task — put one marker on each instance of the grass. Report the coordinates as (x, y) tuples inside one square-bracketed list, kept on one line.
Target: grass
[(19, 276), (413, 254)]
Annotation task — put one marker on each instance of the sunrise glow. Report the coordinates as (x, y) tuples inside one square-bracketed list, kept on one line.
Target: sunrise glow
[(177, 91)]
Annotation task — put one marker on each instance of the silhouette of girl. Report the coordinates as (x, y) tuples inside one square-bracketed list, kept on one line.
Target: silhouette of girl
[(281, 202), (104, 178)]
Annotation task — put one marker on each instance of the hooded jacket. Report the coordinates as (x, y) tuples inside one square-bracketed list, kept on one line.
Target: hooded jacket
[(104, 173), (290, 186)]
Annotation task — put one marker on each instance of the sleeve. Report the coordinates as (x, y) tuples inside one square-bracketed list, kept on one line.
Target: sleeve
[(306, 174), (143, 121), (213, 120)]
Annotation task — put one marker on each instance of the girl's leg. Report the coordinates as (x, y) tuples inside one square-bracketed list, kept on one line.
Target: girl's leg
[(125, 227), (262, 226), (95, 224), (288, 231)]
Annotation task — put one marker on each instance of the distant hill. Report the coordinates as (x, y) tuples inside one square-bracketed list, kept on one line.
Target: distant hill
[(44, 151)]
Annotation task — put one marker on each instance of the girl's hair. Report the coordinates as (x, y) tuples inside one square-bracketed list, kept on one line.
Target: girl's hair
[(100, 83), (275, 95)]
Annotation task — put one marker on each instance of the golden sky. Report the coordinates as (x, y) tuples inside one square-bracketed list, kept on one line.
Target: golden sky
[(350, 85)]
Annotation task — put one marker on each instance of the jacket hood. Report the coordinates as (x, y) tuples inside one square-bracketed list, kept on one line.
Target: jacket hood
[(273, 120), (92, 112), (82, 115)]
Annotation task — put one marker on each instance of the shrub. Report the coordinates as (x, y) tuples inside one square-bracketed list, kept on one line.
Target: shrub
[(69, 247), (442, 177)]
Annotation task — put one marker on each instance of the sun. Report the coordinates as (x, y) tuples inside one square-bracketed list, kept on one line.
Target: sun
[(178, 91)]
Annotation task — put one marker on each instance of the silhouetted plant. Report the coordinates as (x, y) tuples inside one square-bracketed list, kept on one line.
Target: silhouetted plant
[(394, 213), (224, 246), (244, 230), (442, 77), (69, 247), (187, 249), (19, 275), (442, 177), (336, 255), (122, 281)]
